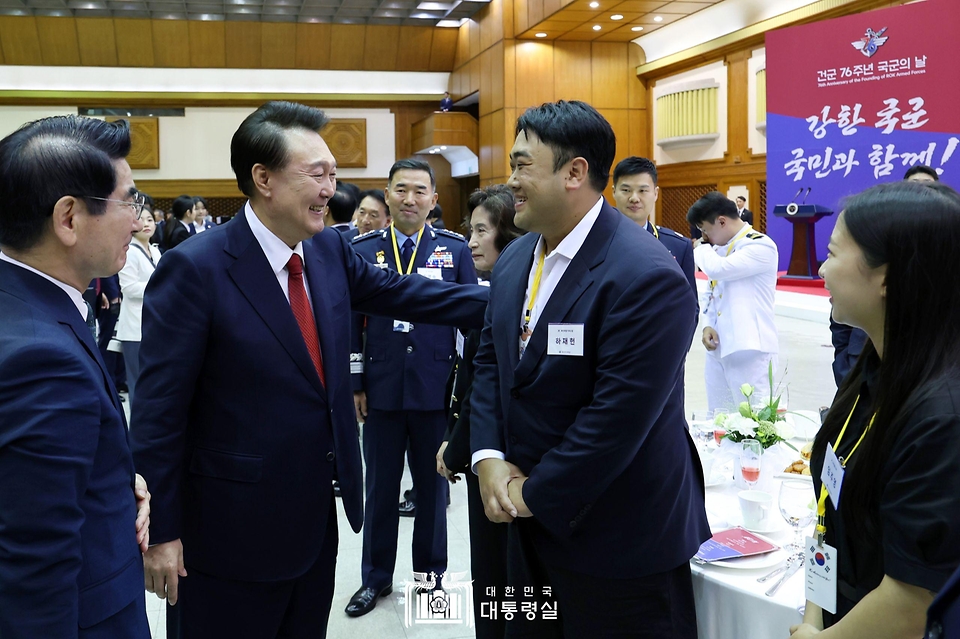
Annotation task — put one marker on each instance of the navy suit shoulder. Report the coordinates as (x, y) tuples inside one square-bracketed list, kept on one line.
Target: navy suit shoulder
[(943, 617), (69, 556)]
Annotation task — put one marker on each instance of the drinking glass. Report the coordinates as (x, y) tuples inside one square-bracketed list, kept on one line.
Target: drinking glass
[(750, 452), (718, 431), (798, 507), (701, 427)]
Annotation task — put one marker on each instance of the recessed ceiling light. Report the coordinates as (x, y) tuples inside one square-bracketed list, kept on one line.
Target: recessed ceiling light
[(443, 148), (658, 18), (636, 28), (594, 5), (433, 150), (616, 16), (597, 27), (541, 35)]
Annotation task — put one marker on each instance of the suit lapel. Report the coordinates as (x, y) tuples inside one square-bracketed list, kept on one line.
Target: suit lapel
[(575, 281), (252, 274), (85, 337), (515, 285)]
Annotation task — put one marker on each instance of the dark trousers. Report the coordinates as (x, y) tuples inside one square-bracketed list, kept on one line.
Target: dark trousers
[(129, 623), (213, 608), (131, 360), (385, 436), (658, 606), (488, 560)]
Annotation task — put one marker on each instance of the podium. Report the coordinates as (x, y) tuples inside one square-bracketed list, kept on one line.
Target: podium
[(803, 255)]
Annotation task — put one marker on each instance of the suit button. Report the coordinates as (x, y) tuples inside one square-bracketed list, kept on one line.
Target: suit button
[(409, 349), (719, 313), (456, 415), (513, 440), (573, 524), (330, 456), (936, 630), (515, 394), (453, 398)]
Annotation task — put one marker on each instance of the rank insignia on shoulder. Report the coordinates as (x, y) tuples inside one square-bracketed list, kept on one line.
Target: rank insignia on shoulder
[(753, 235), (449, 233), (366, 235)]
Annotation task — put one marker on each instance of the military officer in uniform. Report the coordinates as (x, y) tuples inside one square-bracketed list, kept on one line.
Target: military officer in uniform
[(399, 372), (635, 191), (739, 333)]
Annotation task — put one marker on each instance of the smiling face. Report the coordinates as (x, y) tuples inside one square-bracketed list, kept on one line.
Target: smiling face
[(411, 197), (636, 196), (372, 215), (537, 189), (296, 195), (483, 240), (103, 240), (857, 291)]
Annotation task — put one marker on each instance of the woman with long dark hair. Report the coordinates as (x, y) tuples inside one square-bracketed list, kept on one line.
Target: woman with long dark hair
[(892, 269), (491, 228)]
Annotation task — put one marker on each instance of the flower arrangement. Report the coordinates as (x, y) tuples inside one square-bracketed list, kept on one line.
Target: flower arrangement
[(761, 422)]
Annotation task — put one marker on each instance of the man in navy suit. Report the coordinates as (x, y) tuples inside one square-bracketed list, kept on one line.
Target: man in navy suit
[(399, 386), (943, 617), (578, 433), (246, 415), (70, 532), (636, 192)]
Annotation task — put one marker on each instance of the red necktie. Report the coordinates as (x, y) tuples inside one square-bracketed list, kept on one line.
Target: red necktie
[(301, 310)]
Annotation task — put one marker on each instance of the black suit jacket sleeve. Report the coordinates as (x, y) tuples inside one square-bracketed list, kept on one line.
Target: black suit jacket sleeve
[(457, 455), (486, 433), (689, 268)]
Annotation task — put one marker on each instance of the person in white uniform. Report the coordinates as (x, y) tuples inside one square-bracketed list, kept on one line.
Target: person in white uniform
[(739, 332)]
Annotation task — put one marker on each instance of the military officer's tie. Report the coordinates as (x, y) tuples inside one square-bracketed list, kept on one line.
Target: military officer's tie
[(301, 310), (406, 253)]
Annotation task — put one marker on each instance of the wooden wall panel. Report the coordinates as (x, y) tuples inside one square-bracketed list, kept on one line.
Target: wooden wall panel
[(608, 63), (413, 52), (520, 20), (486, 82), (509, 73), (313, 46), (98, 42), (503, 138), (636, 88), (380, 48), (534, 11), (347, 139), (572, 71), (346, 46), (738, 138), (207, 44), (474, 32), (639, 143), (496, 76), (486, 142), (278, 45), (443, 49), (534, 73), (171, 43), (550, 7), (134, 42), (58, 42), (243, 45), (508, 19), (20, 40), (462, 55), (405, 115), (488, 17)]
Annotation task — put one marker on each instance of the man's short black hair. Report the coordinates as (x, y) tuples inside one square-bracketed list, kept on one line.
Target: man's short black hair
[(48, 159), (344, 202), (148, 202), (635, 166), (740, 197), (412, 164), (435, 212), (573, 129), (261, 138), (921, 168), (375, 194), (711, 206)]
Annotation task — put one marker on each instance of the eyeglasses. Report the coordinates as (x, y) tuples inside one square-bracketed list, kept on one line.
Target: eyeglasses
[(138, 203)]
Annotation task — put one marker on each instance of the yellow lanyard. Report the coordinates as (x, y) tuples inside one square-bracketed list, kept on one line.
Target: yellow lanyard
[(730, 245), (528, 315), (822, 502), (396, 250), (656, 233)]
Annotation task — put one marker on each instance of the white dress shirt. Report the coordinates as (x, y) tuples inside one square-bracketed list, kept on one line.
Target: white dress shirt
[(75, 296), (554, 266), (277, 252)]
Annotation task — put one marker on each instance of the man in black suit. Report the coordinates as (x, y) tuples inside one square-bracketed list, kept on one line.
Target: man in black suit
[(244, 412), (745, 214), (578, 434), (179, 227), (341, 207)]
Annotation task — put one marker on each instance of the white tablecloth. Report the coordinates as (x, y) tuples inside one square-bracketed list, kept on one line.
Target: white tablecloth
[(730, 602)]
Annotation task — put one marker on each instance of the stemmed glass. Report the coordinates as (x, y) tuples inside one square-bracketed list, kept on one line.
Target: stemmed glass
[(699, 423), (718, 431), (750, 452), (798, 508)]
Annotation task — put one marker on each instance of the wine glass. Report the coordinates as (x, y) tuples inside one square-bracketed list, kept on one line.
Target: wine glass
[(750, 452), (701, 427), (798, 508), (718, 431)]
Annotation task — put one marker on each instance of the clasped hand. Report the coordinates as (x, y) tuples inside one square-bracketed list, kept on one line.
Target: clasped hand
[(501, 490)]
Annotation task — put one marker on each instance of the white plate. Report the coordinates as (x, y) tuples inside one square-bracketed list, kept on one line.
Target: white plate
[(716, 480), (770, 527), (754, 562), (794, 476), (806, 423)]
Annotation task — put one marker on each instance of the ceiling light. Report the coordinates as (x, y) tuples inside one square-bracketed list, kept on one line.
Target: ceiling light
[(658, 18), (636, 29), (616, 16), (594, 5), (433, 150), (450, 24), (541, 35), (443, 148), (597, 27)]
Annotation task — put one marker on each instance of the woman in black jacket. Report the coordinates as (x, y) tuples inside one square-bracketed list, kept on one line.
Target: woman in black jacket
[(491, 228)]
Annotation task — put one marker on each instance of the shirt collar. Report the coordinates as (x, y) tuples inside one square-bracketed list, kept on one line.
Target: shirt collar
[(276, 250), (401, 238), (75, 296), (571, 244)]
